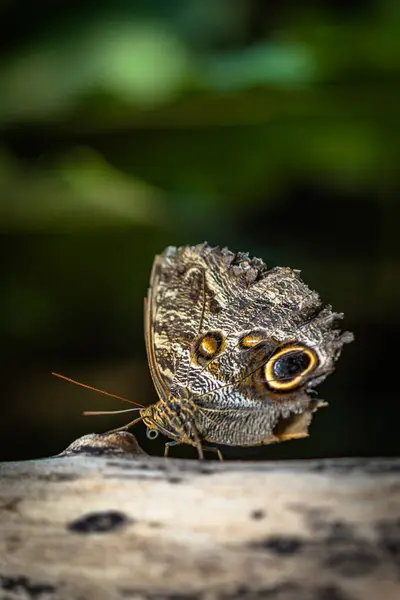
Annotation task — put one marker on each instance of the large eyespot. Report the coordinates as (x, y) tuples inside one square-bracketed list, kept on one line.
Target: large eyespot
[(286, 369), (208, 346)]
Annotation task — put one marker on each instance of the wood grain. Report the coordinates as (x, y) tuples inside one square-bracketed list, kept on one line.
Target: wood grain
[(104, 520)]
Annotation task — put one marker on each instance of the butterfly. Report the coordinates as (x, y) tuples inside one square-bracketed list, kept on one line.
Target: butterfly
[(234, 349)]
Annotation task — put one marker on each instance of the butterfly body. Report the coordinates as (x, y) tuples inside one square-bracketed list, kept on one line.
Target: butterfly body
[(234, 348), (174, 418)]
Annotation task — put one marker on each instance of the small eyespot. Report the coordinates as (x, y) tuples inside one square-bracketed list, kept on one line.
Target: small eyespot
[(208, 346), (252, 339), (287, 368)]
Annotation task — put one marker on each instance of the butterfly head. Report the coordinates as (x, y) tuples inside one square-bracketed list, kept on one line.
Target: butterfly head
[(173, 417)]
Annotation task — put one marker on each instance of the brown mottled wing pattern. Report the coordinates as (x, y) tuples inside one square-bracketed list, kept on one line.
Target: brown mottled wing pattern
[(200, 289), (174, 313), (160, 381)]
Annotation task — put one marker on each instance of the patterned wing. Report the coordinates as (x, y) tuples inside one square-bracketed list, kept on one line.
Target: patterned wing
[(173, 317), (161, 380), (229, 333)]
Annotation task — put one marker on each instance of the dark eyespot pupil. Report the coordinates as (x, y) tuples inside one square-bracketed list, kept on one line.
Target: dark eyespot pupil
[(291, 365)]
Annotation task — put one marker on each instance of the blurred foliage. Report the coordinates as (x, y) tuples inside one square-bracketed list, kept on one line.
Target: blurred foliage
[(127, 126)]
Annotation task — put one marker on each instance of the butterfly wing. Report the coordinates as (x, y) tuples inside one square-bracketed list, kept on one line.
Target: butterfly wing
[(160, 380), (174, 311), (214, 319)]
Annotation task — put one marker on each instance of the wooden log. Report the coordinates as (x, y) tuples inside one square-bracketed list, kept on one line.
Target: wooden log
[(103, 520)]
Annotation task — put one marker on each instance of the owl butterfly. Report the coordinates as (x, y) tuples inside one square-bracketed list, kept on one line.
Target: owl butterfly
[(234, 349)]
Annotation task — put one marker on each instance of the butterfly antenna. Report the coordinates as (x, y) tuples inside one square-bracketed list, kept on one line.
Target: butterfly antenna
[(108, 412), (89, 387)]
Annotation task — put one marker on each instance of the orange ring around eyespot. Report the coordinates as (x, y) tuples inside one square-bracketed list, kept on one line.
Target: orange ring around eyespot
[(289, 385)]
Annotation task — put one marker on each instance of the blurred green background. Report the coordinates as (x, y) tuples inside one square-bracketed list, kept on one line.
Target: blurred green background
[(268, 127)]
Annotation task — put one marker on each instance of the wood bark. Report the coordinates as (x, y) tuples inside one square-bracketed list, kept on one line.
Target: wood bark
[(103, 520)]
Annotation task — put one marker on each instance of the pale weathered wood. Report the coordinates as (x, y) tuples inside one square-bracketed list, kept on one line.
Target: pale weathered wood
[(103, 520)]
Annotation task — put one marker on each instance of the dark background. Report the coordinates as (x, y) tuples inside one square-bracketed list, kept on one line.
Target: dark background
[(268, 127)]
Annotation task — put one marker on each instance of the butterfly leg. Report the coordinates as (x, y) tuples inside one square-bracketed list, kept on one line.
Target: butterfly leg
[(174, 443), (219, 454), (200, 452), (210, 448), (198, 443), (168, 446)]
